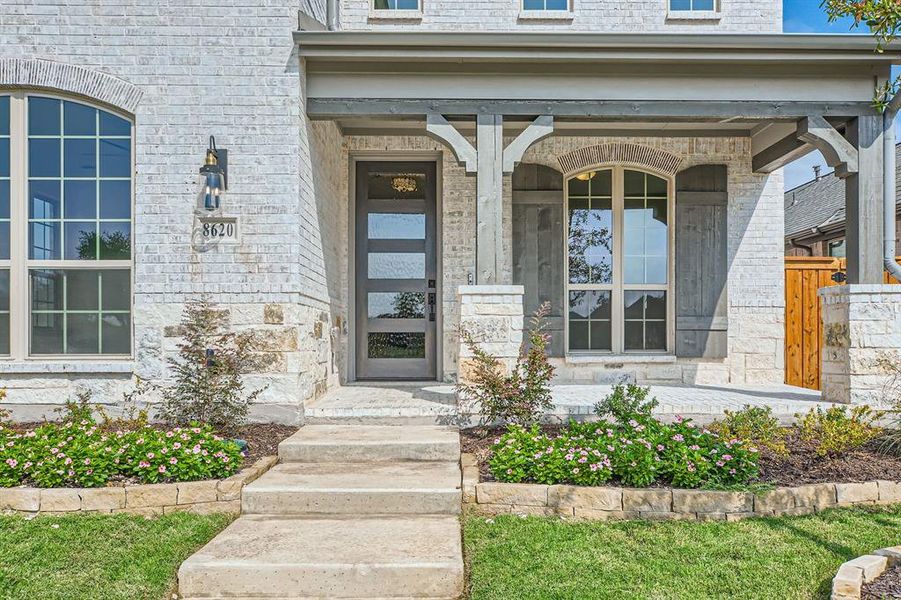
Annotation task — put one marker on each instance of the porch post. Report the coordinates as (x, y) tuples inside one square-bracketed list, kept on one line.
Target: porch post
[(863, 202), (861, 320), (490, 161), (490, 199)]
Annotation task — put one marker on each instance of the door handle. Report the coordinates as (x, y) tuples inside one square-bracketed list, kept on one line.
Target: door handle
[(432, 302)]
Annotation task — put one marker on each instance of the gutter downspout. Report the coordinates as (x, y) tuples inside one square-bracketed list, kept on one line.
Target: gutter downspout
[(331, 15), (888, 187)]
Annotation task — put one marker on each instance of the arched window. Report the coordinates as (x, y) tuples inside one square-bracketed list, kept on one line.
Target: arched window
[(619, 261), (65, 228)]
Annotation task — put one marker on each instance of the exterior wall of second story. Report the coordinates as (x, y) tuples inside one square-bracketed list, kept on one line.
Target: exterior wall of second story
[(612, 16)]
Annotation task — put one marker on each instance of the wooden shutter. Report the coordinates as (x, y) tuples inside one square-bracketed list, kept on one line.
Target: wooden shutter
[(702, 262), (538, 244)]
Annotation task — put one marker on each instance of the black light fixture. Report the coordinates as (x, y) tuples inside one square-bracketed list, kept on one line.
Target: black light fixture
[(215, 175)]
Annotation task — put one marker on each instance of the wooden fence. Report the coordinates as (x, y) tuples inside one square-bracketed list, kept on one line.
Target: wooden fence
[(804, 275)]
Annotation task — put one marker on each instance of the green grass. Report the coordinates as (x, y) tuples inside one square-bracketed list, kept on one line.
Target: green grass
[(98, 556), (773, 559)]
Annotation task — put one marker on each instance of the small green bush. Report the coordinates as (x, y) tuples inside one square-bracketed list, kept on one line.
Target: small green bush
[(755, 425), (836, 430), (83, 453), (625, 403), (208, 384), (521, 396)]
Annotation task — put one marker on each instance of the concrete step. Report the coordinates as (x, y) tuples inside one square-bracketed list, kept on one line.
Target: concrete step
[(267, 557), (370, 443), (356, 489)]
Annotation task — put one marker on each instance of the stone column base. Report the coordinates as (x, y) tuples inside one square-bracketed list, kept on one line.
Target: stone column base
[(493, 316), (861, 323)]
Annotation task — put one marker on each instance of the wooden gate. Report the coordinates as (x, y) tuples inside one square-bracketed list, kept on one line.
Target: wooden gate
[(804, 275)]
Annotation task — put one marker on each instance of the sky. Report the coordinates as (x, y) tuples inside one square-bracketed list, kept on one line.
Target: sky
[(806, 16)]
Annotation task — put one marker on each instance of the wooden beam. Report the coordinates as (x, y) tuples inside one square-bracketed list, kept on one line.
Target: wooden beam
[(863, 203), (489, 202), (623, 110), (780, 154), (839, 153), (539, 129), (439, 129)]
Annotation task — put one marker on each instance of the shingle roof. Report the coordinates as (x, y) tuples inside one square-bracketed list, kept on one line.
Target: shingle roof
[(821, 202)]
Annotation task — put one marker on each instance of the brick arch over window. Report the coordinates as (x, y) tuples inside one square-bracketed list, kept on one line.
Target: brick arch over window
[(38, 74), (625, 154)]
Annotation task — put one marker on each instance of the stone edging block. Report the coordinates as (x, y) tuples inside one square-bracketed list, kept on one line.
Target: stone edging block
[(850, 577), (151, 499), (604, 503)]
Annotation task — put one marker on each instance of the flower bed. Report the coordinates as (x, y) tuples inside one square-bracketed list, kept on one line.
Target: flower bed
[(81, 453), (860, 578), (212, 496), (663, 503)]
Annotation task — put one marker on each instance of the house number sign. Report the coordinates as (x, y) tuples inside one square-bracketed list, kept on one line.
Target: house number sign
[(218, 229)]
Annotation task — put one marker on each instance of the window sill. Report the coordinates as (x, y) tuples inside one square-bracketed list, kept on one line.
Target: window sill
[(395, 15), (611, 359), (546, 15), (36, 367), (694, 15)]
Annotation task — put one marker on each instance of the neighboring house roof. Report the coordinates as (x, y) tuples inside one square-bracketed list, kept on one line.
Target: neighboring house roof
[(819, 204)]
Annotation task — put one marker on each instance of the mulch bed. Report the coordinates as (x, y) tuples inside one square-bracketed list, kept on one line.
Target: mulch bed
[(887, 585), (801, 466), (262, 439)]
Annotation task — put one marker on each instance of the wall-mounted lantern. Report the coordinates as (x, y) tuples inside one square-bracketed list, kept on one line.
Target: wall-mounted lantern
[(215, 175)]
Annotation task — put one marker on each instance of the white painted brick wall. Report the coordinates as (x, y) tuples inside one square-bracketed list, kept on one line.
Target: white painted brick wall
[(744, 16), (210, 67)]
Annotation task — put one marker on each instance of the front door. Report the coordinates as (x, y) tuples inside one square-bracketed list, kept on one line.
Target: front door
[(396, 270)]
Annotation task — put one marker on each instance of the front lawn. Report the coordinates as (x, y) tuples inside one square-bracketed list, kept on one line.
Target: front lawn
[(789, 557), (99, 556)]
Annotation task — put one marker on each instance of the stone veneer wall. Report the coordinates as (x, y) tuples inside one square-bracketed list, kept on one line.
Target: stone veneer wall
[(861, 323), (604, 503), (492, 315), (246, 89), (213, 496), (752, 16)]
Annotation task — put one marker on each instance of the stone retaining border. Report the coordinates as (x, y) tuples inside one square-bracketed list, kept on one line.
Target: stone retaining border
[(604, 503), (848, 581), (203, 497)]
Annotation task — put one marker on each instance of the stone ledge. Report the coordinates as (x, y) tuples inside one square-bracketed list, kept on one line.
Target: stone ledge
[(604, 503), (203, 497), (850, 577)]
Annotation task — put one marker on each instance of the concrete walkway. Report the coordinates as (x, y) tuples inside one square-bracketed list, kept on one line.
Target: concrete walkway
[(431, 403), (349, 512)]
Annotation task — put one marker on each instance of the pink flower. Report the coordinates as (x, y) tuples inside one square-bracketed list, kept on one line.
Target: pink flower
[(144, 464), (679, 437), (170, 434), (173, 461), (151, 455), (196, 449), (694, 447), (727, 457), (87, 461), (162, 469), (12, 462), (68, 461)]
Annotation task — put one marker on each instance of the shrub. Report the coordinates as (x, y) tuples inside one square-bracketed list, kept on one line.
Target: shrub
[(529, 455), (524, 394), (82, 453), (635, 453), (208, 386), (835, 430), (755, 425), (889, 364), (627, 403)]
